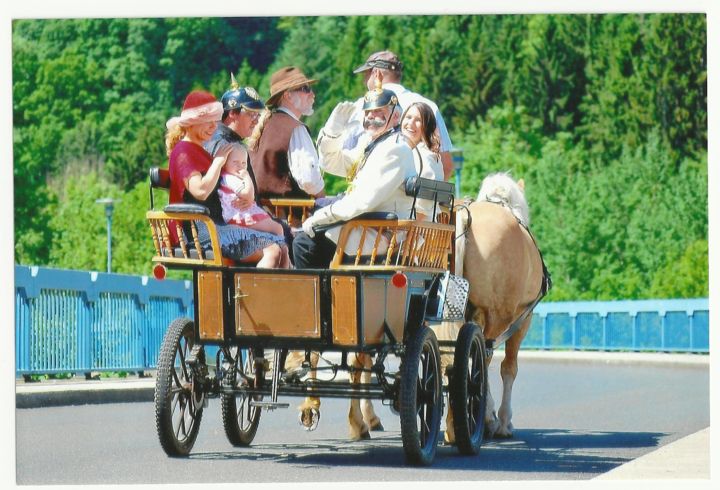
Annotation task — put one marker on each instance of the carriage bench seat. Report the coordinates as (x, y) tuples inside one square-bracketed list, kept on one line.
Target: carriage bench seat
[(173, 246), (409, 244), (175, 229)]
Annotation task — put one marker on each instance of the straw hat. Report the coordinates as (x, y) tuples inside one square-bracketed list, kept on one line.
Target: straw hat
[(285, 79)]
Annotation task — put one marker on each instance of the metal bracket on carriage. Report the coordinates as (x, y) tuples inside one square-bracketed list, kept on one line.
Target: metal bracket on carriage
[(273, 403), (452, 297)]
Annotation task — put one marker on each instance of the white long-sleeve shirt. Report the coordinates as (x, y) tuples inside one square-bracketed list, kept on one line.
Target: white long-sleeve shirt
[(303, 159)]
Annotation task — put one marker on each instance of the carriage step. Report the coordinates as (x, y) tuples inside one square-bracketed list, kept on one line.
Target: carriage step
[(269, 405)]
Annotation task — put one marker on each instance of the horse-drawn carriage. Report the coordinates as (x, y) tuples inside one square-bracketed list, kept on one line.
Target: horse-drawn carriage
[(381, 304)]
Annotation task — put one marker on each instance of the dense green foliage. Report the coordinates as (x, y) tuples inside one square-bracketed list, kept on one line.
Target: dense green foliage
[(604, 116)]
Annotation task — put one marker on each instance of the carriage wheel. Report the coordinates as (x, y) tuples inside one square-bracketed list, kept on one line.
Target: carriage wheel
[(468, 389), (421, 397), (178, 399), (240, 419)]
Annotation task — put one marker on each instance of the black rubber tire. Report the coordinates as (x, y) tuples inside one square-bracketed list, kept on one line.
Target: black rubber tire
[(421, 400), (177, 415), (468, 389), (239, 418)]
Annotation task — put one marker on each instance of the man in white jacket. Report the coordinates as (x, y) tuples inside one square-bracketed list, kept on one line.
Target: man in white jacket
[(387, 66), (376, 174)]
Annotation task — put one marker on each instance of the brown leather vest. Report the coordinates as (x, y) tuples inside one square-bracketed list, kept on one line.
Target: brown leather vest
[(270, 160)]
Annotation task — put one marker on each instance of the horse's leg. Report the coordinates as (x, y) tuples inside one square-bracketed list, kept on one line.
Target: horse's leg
[(366, 406), (508, 372), (485, 318), (449, 437), (491, 420), (447, 331), (358, 428), (310, 407)]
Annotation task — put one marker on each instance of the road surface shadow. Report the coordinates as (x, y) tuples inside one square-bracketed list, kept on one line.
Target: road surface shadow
[(530, 451)]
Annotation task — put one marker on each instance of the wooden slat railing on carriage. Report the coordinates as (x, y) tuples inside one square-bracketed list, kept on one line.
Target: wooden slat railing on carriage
[(411, 244), (172, 246), (396, 244), (294, 211)]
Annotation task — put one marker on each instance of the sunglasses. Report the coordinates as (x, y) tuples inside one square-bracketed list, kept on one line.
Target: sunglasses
[(252, 114), (304, 89)]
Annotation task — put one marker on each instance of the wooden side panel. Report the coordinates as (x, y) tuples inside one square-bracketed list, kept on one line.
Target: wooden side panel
[(344, 310), (210, 305), (374, 299), (277, 305)]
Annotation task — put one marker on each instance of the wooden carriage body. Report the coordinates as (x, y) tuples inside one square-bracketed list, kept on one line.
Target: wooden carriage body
[(380, 302), (353, 305)]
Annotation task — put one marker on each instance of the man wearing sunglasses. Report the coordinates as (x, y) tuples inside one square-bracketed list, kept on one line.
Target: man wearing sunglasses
[(241, 111), (283, 153)]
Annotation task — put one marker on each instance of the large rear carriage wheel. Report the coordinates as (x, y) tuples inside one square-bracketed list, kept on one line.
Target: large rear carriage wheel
[(468, 389), (239, 417), (421, 397), (178, 397)]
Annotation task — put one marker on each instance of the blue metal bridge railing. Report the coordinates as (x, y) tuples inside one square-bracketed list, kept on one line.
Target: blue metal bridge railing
[(667, 325), (77, 321)]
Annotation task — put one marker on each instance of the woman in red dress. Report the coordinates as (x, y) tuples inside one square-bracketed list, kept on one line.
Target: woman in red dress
[(194, 178)]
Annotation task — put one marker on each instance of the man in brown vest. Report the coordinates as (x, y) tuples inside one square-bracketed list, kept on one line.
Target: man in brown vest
[(284, 157)]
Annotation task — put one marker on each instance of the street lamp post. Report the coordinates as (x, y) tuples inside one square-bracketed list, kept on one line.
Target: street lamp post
[(457, 159), (109, 206)]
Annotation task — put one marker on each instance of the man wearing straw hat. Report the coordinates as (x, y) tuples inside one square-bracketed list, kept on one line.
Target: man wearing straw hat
[(284, 157)]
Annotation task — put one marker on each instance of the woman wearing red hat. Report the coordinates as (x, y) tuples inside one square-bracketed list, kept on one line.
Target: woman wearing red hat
[(194, 177)]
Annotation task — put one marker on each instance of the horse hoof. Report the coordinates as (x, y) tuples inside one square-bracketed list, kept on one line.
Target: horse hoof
[(448, 441), (377, 427), (503, 434), (364, 436), (309, 418)]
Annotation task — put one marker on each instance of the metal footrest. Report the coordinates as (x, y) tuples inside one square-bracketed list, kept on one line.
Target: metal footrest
[(269, 405)]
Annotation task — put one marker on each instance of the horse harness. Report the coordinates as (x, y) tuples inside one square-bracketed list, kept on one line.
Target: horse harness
[(546, 281)]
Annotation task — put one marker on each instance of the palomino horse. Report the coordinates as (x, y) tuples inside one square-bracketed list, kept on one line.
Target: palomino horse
[(505, 270), (497, 255)]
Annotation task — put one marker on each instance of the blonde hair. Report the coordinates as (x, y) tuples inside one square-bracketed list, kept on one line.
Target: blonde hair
[(234, 146), (172, 137), (254, 139)]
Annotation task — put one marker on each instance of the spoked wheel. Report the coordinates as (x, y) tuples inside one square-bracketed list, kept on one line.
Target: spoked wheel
[(240, 419), (421, 397), (178, 398), (468, 389)]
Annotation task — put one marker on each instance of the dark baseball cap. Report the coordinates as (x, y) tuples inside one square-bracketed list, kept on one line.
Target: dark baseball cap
[(385, 60)]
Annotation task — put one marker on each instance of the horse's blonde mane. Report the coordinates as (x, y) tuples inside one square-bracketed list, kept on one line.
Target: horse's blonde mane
[(501, 187)]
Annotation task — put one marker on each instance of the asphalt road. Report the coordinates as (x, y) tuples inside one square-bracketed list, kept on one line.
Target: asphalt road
[(573, 422)]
